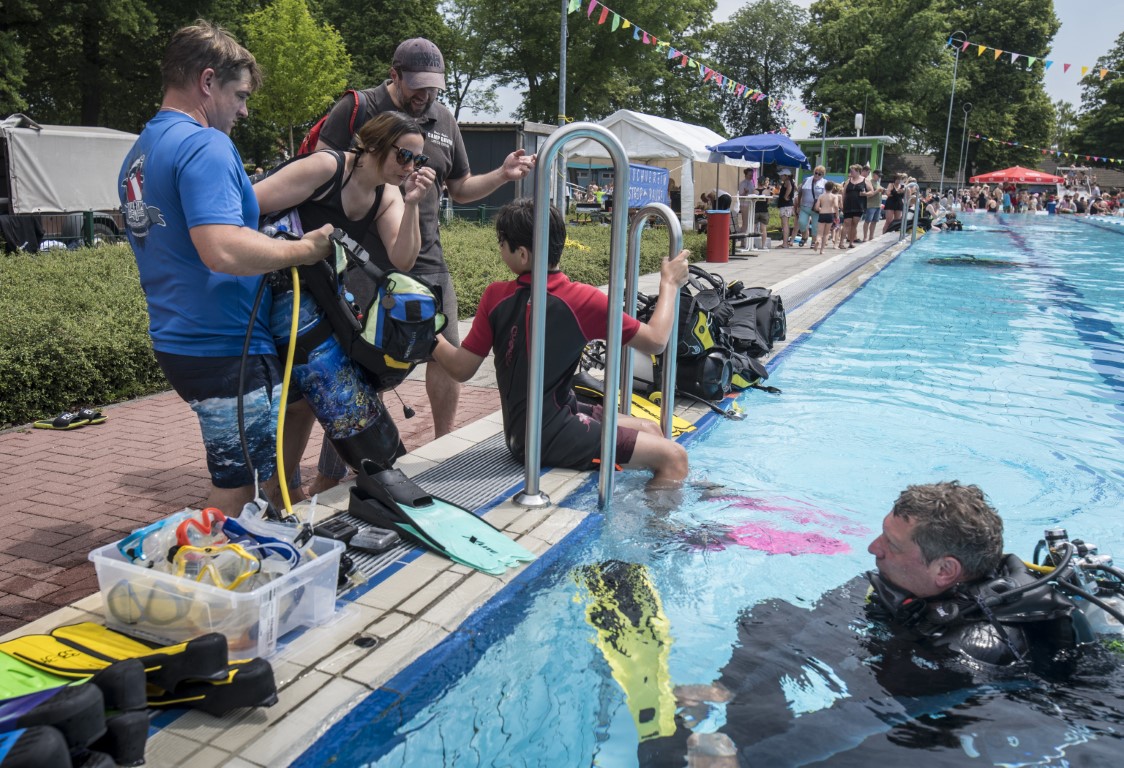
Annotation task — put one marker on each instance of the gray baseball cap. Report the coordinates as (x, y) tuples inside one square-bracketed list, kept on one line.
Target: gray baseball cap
[(421, 64)]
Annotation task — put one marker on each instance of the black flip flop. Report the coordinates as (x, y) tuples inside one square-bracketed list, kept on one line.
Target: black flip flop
[(65, 420)]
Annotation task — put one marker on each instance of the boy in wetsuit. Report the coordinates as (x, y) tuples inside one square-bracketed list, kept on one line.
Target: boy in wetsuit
[(575, 314)]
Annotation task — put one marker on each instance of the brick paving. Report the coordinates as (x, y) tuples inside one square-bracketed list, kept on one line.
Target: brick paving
[(68, 492)]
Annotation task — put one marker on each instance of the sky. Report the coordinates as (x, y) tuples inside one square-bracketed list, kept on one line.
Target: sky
[(1088, 30)]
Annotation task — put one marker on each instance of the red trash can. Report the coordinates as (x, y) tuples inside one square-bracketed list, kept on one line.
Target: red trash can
[(717, 237)]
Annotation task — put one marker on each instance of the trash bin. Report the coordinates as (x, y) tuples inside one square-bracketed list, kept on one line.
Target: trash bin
[(717, 237)]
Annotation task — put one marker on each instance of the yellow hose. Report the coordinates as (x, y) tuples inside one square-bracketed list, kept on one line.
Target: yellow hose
[(289, 355)]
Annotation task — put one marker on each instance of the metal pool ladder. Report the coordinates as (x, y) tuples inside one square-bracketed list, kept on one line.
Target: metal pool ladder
[(532, 495)]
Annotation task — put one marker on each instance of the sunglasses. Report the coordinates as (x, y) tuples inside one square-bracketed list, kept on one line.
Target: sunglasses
[(404, 156)]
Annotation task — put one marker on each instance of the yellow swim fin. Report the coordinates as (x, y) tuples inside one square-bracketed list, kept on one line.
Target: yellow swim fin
[(634, 635)]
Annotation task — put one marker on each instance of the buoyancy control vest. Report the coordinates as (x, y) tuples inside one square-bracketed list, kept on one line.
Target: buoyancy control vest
[(977, 620)]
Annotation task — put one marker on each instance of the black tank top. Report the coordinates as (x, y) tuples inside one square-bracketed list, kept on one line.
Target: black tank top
[(327, 208), (852, 196), (786, 194)]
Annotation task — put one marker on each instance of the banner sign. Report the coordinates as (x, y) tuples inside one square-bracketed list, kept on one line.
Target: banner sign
[(647, 185)]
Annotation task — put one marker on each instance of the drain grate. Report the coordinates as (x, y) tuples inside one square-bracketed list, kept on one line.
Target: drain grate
[(471, 480)]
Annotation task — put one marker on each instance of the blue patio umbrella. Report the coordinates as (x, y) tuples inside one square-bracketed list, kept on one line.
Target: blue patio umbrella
[(775, 148)]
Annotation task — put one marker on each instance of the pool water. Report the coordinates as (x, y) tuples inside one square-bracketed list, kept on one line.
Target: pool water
[(1008, 374)]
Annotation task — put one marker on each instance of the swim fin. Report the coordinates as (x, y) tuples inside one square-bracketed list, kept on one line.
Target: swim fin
[(33, 747), (634, 636), (247, 683), (164, 666), (389, 499), (122, 683), (77, 712), (590, 388)]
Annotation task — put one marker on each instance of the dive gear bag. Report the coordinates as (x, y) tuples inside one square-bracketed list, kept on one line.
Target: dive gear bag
[(392, 334)]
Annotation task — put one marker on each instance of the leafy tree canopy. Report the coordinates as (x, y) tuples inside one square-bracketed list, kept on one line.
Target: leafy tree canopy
[(1100, 129), (305, 63), (762, 46)]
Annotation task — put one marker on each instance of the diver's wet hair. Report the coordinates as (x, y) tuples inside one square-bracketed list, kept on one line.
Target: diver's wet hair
[(953, 519), (515, 225), (205, 45), (379, 134)]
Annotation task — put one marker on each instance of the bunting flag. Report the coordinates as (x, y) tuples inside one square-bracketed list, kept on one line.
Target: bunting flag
[(1054, 151), (997, 52), (708, 75)]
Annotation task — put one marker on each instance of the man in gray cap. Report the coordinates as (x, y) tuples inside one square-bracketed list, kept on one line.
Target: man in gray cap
[(417, 72)]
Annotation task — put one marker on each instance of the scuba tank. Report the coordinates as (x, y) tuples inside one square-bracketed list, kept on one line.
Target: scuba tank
[(342, 397)]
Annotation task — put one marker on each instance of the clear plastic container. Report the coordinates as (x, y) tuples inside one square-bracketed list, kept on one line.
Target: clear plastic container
[(162, 607)]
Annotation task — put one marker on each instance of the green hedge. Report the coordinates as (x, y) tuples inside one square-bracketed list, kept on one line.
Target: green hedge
[(75, 330)]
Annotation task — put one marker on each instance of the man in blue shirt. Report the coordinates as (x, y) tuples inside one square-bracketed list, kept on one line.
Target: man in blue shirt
[(191, 217)]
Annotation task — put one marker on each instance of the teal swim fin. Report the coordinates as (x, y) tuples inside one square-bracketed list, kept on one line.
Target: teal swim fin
[(389, 499)]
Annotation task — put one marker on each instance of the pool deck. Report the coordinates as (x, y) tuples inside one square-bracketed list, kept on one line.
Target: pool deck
[(69, 492)]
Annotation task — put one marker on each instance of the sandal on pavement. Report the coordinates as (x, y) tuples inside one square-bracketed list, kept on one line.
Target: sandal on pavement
[(65, 420)]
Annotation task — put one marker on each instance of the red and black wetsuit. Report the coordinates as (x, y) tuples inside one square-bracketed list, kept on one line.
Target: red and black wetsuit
[(575, 314)]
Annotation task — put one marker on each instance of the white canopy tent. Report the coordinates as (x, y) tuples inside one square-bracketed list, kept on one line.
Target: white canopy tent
[(679, 147)]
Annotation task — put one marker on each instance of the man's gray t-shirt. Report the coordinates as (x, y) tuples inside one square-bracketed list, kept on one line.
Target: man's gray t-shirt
[(443, 145)]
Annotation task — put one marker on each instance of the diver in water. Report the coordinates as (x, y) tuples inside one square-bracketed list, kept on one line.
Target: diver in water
[(945, 611), (950, 223)]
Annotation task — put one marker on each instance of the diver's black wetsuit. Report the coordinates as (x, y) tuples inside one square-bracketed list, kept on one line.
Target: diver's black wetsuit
[(884, 674)]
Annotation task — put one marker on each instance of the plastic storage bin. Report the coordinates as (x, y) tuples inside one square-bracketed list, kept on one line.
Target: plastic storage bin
[(166, 608)]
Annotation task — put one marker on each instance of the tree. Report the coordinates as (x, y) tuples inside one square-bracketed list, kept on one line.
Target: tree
[(372, 29), (898, 54), (18, 15), (468, 52), (881, 55), (1009, 100), (305, 63), (607, 69), (1065, 122), (762, 46), (1100, 129)]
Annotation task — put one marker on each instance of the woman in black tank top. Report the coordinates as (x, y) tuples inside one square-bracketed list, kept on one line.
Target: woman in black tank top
[(380, 182), (895, 194), (370, 192)]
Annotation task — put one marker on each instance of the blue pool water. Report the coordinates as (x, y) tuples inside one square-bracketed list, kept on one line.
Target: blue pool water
[(1009, 376)]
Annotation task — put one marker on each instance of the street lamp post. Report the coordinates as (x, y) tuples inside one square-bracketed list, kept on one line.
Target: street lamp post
[(823, 139), (956, 61), (963, 162)]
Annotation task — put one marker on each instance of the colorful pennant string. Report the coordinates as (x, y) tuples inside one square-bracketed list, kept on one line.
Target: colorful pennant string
[(707, 74), (1055, 152), (1030, 60)]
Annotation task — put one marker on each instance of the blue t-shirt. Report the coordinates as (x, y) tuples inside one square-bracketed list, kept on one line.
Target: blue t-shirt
[(177, 176)]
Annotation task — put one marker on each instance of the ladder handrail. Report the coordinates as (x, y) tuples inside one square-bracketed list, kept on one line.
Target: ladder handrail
[(632, 273), (531, 495)]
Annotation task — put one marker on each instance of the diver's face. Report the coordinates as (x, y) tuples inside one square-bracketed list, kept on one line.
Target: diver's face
[(899, 559)]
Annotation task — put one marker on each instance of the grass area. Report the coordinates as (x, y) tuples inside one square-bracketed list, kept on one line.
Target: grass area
[(75, 329)]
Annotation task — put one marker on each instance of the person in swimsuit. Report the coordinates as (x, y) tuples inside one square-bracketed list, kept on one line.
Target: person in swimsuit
[(826, 207), (576, 313), (855, 191), (895, 193), (786, 197)]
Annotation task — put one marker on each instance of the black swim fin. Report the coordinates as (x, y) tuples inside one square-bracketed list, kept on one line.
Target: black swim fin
[(247, 683), (77, 712), (34, 747)]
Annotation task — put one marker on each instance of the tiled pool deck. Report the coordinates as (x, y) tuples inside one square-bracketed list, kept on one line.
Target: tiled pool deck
[(322, 673)]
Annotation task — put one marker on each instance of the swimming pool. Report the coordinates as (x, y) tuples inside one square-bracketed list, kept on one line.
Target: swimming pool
[(1007, 375)]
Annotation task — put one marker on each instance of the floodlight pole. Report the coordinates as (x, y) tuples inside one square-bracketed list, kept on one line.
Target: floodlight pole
[(951, 98), (823, 138), (967, 107)]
